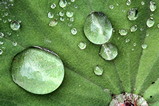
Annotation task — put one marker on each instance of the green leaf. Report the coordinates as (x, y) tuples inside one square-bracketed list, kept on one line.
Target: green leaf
[(131, 71)]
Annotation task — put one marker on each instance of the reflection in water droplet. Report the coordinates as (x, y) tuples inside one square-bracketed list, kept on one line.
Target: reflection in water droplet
[(37, 70), (69, 14), (15, 25), (74, 31), (144, 46), (1, 51), (123, 32), (133, 28), (82, 45), (133, 14), (152, 6), (53, 6), (150, 22), (142, 3), (1, 35), (98, 70), (98, 28), (111, 7), (128, 2), (108, 51), (50, 15), (62, 3), (53, 23), (14, 43)]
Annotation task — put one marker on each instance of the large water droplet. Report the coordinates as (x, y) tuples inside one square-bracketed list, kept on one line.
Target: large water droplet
[(69, 14), (133, 14), (152, 6), (37, 70), (74, 31), (53, 6), (82, 45), (150, 22), (128, 2), (50, 15), (53, 23), (98, 28), (1, 35), (1, 51), (108, 51), (15, 25), (63, 3), (144, 46), (98, 70), (133, 28), (123, 32)]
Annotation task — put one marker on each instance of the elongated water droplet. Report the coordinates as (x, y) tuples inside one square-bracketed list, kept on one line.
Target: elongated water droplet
[(128, 2), (82, 45), (144, 46), (50, 15), (123, 32), (1, 51), (108, 51), (37, 70), (74, 31), (69, 14), (1, 35), (98, 70), (142, 3), (133, 14), (15, 25), (53, 23), (61, 13), (152, 6), (133, 28), (150, 22), (98, 28), (63, 3), (53, 6)]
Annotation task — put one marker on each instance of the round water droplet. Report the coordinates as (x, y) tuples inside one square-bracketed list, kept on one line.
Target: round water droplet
[(128, 2), (133, 28), (15, 25), (82, 45), (1, 35), (53, 23), (133, 14), (53, 6), (14, 43), (152, 6), (144, 46), (150, 22), (61, 13), (69, 14), (1, 51), (147, 34), (123, 32), (127, 40), (37, 70), (50, 15), (98, 70), (134, 44), (72, 0), (111, 7), (71, 19), (108, 51), (97, 28), (142, 3), (62, 19), (1, 43), (63, 3), (74, 31)]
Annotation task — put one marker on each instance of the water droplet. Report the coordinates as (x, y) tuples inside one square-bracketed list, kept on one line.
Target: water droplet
[(50, 15), (141, 29), (134, 44), (9, 33), (74, 31), (69, 24), (111, 7), (152, 6), (15, 25), (117, 4), (69, 3), (9, 20), (127, 40), (157, 25), (142, 3), (128, 2), (63, 3), (108, 51), (72, 0), (133, 14), (75, 6), (133, 28), (1, 51), (82, 45), (132, 49), (98, 70), (150, 22), (123, 11), (6, 14), (123, 32), (144, 46), (69, 14), (14, 43), (62, 19), (1, 43), (71, 19), (61, 13), (4, 21), (98, 28), (1, 35), (53, 23), (147, 34), (53, 6), (37, 70)]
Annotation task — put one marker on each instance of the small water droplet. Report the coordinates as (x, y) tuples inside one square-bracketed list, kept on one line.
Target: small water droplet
[(4, 21), (107, 90), (133, 28), (127, 40), (141, 29), (50, 15), (53, 6), (6, 14), (62, 19), (128, 2), (69, 3), (69, 24), (71, 19), (157, 25), (123, 11), (147, 34), (75, 6), (1, 51), (74, 31), (14, 43), (9, 20), (53, 23), (1, 43), (144, 46), (132, 49), (82, 45), (61, 13), (142, 3), (117, 4), (15, 25), (1, 35), (63, 3), (98, 70), (134, 44), (133, 14), (151, 15), (111, 7), (152, 6), (72, 0), (150, 22), (123, 32), (108, 51), (69, 14)]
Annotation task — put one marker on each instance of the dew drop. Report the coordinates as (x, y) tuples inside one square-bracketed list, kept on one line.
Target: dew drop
[(72, 0), (82, 45), (71, 19), (69, 14), (63, 3), (133, 14), (69, 24), (134, 44), (1, 43), (75, 6), (144, 46), (74, 31), (53, 23), (157, 25), (150, 22), (50, 15), (15, 25), (142, 3), (9, 20), (133, 28), (127, 40), (61, 13), (98, 70), (1, 51), (111, 7), (108, 51), (62, 19), (1, 35), (14, 43), (97, 28), (152, 6), (53, 6), (123, 32), (147, 34), (37, 70), (128, 2)]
